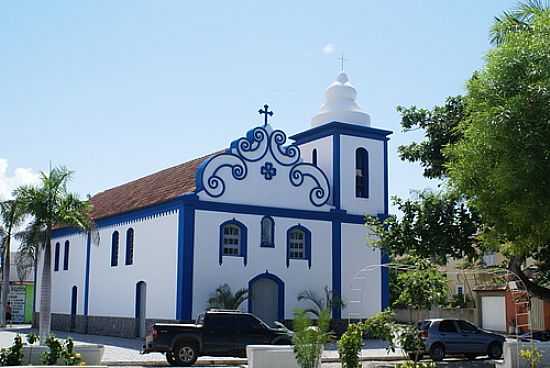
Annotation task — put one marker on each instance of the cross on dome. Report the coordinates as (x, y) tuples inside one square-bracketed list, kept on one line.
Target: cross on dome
[(340, 104)]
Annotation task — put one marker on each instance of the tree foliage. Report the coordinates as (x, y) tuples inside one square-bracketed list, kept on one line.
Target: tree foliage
[(309, 340), (502, 164), (436, 226), (320, 303), (441, 129)]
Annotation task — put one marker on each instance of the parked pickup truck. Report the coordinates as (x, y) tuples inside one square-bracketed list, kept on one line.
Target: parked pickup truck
[(216, 333)]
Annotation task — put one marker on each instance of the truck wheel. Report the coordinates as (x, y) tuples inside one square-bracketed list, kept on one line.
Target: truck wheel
[(185, 353), (171, 359)]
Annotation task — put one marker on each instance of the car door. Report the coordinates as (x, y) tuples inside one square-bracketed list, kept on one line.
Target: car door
[(219, 335), (251, 331), (473, 341), (450, 336)]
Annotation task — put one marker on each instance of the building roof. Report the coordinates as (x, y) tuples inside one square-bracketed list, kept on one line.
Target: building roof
[(149, 190)]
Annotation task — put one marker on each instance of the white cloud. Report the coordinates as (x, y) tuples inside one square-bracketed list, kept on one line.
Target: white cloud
[(20, 176), (328, 49)]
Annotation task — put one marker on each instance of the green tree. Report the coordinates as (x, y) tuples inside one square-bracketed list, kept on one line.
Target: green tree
[(11, 217), (224, 298), (441, 129), (422, 286), (51, 204), (435, 226), (502, 163), (309, 340)]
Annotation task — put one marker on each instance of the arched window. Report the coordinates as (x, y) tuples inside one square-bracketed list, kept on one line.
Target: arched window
[(56, 257), (298, 244), (233, 238), (130, 246), (314, 156), (114, 249), (267, 233), (66, 257), (361, 173)]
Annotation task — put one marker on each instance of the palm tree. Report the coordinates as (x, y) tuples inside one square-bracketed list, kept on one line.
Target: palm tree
[(11, 217), (319, 303), (517, 20), (51, 204), (223, 298)]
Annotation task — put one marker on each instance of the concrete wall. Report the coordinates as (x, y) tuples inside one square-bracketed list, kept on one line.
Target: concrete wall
[(413, 316)]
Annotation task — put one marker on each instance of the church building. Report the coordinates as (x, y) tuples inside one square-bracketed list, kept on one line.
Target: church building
[(276, 215)]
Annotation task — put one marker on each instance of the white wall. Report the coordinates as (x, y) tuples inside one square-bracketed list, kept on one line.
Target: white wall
[(113, 289), (63, 281), (324, 155), (360, 206), (361, 290), (208, 274)]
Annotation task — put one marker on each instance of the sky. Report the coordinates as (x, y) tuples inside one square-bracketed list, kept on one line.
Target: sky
[(119, 90)]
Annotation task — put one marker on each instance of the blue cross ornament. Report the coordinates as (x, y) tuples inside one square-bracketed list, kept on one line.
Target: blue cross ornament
[(268, 171)]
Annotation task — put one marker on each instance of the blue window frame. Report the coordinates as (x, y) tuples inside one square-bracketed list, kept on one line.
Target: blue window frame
[(56, 257), (115, 239), (233, 240), (314, 156), (66, 256), (129, 246), (298, 244), (267, 232), (361, 173)]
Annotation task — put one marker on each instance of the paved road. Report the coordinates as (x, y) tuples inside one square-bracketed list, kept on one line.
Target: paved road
[(126, 352)]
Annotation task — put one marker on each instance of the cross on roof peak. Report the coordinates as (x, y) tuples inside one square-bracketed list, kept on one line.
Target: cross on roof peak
[(266, 113)]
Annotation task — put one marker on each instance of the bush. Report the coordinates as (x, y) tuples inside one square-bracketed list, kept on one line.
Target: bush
[(350, 345), (56, 349), (14, 354), (380, 325), (69, 356), (532, 356), (309, 340)]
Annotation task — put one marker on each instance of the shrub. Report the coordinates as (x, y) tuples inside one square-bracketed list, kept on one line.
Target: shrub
[(56, 349), (380, 325), (14, 354), (309, 340), (532, 356), (350, 345), (69, 356)]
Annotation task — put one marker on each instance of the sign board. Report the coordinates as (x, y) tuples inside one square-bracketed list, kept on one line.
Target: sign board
[(17, 300)]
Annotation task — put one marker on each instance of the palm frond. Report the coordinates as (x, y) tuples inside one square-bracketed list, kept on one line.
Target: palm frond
[(517, 20)]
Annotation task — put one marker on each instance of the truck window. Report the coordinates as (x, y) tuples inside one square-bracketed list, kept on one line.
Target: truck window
[(220, 322), (247, 323)]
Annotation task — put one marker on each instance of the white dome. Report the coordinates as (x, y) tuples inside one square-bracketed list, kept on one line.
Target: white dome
[(340, 105)]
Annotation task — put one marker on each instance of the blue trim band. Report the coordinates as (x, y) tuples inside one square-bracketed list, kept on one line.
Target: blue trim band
[(281, 293), (336, 267), (340, 128), (186, 240), (336, 171), (87, 275)]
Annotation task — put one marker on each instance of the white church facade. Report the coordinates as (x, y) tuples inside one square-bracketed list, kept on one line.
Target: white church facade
[(272, 214)]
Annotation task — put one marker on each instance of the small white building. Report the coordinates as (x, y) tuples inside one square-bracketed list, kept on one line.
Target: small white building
[(275, 216)]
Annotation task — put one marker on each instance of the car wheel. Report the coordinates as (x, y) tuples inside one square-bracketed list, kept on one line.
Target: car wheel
[(171, 359), (437, 352), (185, 353), (495, 350)]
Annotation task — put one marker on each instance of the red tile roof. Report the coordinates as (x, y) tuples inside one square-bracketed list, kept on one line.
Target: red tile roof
[(153, 189)]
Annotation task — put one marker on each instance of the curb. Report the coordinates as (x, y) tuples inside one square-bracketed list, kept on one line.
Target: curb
[(236, 362)]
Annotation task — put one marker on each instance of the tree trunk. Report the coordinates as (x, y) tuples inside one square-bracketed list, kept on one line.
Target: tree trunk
[(5, 280), (45, 317), (532, 288)]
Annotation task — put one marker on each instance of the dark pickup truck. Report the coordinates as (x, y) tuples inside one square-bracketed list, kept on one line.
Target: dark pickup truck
[(216, 333)]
